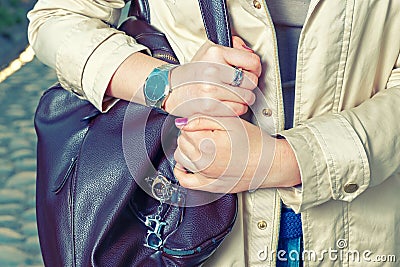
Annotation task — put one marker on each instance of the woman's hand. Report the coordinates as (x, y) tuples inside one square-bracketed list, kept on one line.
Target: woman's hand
[(229, 155), (204, 85)]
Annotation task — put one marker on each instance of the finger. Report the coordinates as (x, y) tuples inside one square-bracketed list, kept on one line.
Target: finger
[(238, 109), (242, 59), (180, 167), (209, 123), (249, 82), (184, 161), (194, 181), (197, 181), (200, 158), (221, 108), (195, 143), (224, 75), (202, 123), (210, 107), (226, 93), (187, 147), (238, 43), (207, 78), (199, 147)]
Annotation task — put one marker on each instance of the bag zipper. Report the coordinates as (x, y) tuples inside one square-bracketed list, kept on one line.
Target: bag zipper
[(168, 57)]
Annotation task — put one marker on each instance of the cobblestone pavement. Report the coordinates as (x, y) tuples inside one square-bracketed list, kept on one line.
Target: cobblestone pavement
[(19, 95)]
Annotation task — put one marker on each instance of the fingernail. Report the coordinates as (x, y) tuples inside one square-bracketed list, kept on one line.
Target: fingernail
[(180, 122), (248, 48)]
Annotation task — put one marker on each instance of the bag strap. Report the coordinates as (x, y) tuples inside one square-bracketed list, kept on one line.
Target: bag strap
[(216, 22), (213, 12), (140, 9)]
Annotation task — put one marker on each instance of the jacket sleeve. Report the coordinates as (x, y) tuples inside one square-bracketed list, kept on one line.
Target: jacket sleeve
[(79, 40), (351, 151)]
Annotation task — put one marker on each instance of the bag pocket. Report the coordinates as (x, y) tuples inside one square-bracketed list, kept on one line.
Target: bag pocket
[(62, 179)]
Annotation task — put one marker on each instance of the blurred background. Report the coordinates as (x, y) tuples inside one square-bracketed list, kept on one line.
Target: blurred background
[(13, 25), (22, 81)]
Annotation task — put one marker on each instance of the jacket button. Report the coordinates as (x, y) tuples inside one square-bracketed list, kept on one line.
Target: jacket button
[(350, 188), (267, 112), (262, 225), (256, 4)]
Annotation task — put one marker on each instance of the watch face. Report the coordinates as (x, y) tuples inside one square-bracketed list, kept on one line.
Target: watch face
[(155, 88)]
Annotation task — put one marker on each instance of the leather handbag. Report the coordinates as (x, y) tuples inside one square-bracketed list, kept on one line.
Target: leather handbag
[(93, 208)]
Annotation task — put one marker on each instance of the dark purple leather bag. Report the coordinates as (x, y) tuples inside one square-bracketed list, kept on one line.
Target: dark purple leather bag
[(90, 209)]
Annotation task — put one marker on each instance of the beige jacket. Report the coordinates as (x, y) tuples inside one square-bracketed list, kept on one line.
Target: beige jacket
[(347, 110)]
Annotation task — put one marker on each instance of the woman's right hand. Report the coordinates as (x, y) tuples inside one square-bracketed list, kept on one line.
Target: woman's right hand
[(204, 85)]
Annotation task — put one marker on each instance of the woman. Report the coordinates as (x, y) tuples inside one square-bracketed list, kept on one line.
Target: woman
[(335, 166)]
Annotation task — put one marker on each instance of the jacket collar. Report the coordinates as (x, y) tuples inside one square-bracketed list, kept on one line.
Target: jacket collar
[(313, 5)]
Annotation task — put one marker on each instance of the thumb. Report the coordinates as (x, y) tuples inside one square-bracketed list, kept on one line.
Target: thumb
[(201, 123)]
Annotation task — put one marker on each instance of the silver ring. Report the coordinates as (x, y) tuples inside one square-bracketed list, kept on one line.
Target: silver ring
[(238, 78)]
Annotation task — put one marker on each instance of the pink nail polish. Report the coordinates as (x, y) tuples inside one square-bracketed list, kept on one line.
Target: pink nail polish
[(180, 122), (248, 48)]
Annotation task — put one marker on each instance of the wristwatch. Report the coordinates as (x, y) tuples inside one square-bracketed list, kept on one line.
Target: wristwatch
[(157, 86)]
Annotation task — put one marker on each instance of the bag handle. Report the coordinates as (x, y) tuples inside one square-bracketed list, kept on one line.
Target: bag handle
[(213, 12), (140, 9), (216, 22)]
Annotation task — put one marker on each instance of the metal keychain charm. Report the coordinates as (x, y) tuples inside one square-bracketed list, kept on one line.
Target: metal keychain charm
[(153, 238), (161, 188), (161, 191), (164, 190)]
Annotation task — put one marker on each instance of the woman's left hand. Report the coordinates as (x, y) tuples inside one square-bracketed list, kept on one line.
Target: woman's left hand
[(225, 155), (221, 154)]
